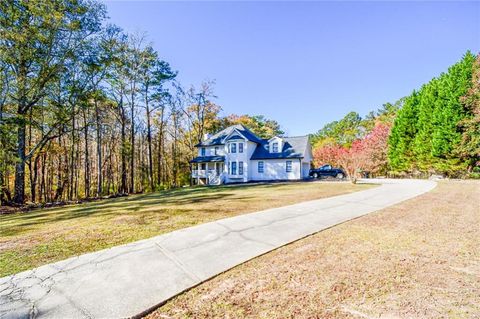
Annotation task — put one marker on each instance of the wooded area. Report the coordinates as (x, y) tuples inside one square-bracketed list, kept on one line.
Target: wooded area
[(435, 130), (87, 110)]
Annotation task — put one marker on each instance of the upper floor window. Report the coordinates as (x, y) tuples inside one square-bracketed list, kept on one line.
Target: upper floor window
[(234, 168), (275, 147), (240, 147), (233, 147), (260, 167), (203, 151), (288, 167), (240, 168), (216, 150)]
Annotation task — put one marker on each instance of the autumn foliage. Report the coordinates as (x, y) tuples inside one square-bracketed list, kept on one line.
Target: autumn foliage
[(367, 154)]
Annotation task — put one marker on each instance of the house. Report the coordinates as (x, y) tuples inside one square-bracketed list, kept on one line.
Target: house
[(236, 155)]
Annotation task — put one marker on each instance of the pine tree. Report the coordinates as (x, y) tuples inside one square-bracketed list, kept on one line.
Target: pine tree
[(422, 143), (448, 113), (469, 147), (400, 151)]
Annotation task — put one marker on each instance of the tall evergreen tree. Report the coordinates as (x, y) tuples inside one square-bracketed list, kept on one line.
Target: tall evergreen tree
[(469, 147), (448, 113), (400, 152), (426, 133)]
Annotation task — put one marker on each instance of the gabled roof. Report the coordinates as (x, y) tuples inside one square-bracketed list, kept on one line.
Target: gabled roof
[(220, 137), (234, 137), (293, 147)]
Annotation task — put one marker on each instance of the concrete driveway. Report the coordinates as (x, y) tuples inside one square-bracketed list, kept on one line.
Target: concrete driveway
[(128, 280)]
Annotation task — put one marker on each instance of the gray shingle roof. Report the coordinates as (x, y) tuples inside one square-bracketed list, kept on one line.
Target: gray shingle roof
[(219, 138), (293, 147), (205, 159)]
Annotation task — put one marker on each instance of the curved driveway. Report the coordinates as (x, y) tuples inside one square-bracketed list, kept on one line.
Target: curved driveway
[(127, 280)]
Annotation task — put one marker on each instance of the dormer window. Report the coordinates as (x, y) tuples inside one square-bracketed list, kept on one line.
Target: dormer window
[(233, 147), (203, 151), (275, 147)]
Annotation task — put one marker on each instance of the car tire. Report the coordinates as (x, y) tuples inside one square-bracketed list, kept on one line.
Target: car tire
[(340, 176), (315, 175)]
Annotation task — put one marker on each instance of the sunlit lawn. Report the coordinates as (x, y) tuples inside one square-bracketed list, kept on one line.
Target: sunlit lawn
[(42, 236)]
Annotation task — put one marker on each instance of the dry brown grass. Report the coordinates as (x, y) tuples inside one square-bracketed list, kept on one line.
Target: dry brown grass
[(418, 259), (42, 236)]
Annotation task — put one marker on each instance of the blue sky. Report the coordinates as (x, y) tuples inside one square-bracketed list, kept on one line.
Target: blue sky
[(305, 64)]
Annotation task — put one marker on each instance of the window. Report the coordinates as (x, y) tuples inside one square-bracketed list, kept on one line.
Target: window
[(233, 147), (260, 167), (203, 151), (289, 166), (240, 168), (275, 147), (216, 150), (234, 168), (240, 147), (203, 166)]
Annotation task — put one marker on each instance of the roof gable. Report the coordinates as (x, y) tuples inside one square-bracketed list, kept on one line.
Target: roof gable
[(221, 137)]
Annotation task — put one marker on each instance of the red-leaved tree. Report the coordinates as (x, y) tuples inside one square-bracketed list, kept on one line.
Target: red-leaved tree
[(350, 159), (366, 154), (375, 146)]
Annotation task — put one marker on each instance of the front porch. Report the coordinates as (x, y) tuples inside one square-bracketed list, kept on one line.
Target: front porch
[(207, 173)]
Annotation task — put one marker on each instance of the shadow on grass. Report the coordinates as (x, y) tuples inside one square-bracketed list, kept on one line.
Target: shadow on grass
[(14, 224)]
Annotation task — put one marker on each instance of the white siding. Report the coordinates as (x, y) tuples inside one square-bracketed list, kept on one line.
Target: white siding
[(210, 150), (238, 157), (305, 169), (275, 169)]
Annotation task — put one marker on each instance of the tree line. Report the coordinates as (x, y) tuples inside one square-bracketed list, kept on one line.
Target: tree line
[(87, 110), (435, 130)]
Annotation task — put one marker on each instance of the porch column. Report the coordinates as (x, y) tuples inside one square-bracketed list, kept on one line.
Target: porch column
[(198, 178)]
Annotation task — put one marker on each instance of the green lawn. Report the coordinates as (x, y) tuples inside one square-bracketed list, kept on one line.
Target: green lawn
[(43, 236)]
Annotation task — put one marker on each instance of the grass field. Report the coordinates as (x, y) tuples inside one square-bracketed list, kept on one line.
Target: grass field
[(417, 259), (42, 236)]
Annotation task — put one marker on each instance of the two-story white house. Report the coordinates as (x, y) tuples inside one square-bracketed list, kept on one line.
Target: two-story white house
[(236, 155)]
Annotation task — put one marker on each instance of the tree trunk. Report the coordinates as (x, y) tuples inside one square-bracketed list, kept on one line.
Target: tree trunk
[(99, 150), (19, 196), (132, 142), (87, 157), (149, 141), (72, 161), (123, 188)]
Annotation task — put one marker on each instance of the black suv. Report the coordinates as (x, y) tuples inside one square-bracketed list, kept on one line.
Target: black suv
[(327, 171)]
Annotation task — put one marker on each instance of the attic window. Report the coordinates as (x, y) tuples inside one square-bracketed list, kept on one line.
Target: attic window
[(275, 147)]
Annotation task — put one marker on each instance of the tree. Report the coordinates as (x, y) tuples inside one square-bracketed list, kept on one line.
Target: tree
[(375, 147), (343, 132), (258, 124), (448, 113), (155, 75), (469, 147), (350, 158), (36, 40), (426, 132), (400, 152)]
